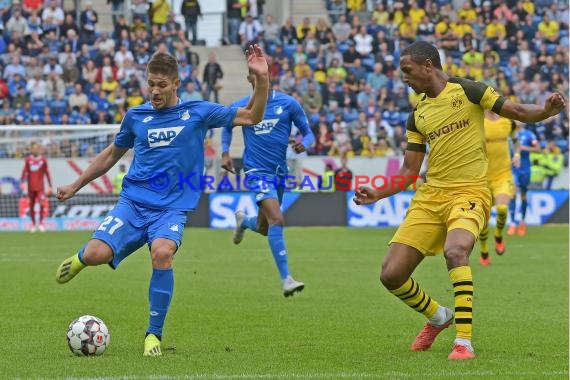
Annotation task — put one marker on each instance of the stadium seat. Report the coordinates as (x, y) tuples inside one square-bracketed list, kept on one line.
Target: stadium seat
[(368, 63), (289, 49), (313, 63), (38, 106)]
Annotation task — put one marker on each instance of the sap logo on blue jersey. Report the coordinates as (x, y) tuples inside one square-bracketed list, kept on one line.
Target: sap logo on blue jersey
[(265, 126), (162, 136)]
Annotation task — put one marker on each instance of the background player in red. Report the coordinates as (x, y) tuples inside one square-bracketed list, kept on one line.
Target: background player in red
[(35, 169)]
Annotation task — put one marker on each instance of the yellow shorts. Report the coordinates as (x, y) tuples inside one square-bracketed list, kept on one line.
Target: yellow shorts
[(503, 184), (435, 211)]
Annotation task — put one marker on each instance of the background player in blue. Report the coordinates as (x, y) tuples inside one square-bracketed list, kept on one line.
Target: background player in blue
[(266, 168), (521, 170), (168, 140)]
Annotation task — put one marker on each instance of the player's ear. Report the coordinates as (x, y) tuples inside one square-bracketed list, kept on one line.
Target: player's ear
[(177, 83)]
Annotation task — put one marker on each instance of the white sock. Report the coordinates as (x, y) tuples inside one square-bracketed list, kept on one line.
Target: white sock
[(440, 317), (464, 342)]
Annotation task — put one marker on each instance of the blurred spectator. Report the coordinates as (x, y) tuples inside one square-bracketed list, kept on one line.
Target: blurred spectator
[(341, 29), (16, 23), (190, 94), (289, 33), (159, 11), (304, 28), (249, 30), (212, 78), (117, 8), (37, 88), (78, 97), (52, 17), (191, 11), (88, 21)]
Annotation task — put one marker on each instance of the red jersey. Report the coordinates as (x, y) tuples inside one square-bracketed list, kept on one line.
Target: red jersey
[(35, 168)]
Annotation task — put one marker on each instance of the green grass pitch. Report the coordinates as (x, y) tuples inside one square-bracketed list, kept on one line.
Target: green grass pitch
[(229, 319)]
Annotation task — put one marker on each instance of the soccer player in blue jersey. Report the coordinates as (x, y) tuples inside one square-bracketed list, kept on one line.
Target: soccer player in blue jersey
[(162, 184), (265, 165), (521, 170)]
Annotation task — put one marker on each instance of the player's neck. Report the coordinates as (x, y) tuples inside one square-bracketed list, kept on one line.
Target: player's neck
[(438, 84)]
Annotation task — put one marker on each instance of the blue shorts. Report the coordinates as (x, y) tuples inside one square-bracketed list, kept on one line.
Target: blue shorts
[(128, 226), (265, 186), (522, 180)]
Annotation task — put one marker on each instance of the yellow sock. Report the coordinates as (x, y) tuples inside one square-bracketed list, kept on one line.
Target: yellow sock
[(413, 296), (483, 236), (462, 281), (502, 211)]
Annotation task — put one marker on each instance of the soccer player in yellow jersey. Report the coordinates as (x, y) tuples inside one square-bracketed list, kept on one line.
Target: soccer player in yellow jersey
[(498, 130), (448, 212)]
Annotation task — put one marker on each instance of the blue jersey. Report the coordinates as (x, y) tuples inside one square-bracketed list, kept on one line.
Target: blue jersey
[(266, 143), (528, 139), (168, 144)]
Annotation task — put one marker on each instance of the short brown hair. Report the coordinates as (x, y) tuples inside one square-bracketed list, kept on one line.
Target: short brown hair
[(163, 63)]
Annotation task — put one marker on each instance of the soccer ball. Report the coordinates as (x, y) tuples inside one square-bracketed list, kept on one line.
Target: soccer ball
[(87, 336)]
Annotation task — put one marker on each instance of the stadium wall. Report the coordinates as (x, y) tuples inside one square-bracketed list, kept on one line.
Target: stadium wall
[(65, 171), (216, 210)]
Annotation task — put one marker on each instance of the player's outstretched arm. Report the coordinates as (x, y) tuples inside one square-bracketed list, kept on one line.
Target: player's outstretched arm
[(409, 172), (531, 113), (257, 65), (100, 165)]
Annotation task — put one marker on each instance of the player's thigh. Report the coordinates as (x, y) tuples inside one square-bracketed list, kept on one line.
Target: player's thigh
[(503, 187), (32, 196), (424, 226), (469, 210), (166, 225), (122, 230)]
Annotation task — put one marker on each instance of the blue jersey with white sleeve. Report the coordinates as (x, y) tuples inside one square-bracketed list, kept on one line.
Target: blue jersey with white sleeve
[(528, 139), (266, 143), (168, 144)]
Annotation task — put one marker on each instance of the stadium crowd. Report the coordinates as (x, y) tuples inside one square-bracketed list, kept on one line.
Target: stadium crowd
[(57, 69)]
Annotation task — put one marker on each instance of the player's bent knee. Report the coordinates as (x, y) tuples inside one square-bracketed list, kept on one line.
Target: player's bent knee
[(457, 255), (276, 220), (97, 252), (390, 278), (162, 254)]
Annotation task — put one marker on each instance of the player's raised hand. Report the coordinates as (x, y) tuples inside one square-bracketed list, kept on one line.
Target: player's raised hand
[(365, 196), (256, 61), (65, 192), (554, 104)]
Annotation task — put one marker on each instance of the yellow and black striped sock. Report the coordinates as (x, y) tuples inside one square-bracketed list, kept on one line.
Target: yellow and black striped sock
[(483, 236), (462, 281), (413, 296), (502, 211)]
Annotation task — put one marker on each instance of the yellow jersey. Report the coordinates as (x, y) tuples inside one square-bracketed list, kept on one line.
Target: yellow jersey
[(497, 133), (452, 125)]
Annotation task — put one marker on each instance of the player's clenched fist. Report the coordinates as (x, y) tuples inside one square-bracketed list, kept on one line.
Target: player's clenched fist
[(65, 192), (555, 104)]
